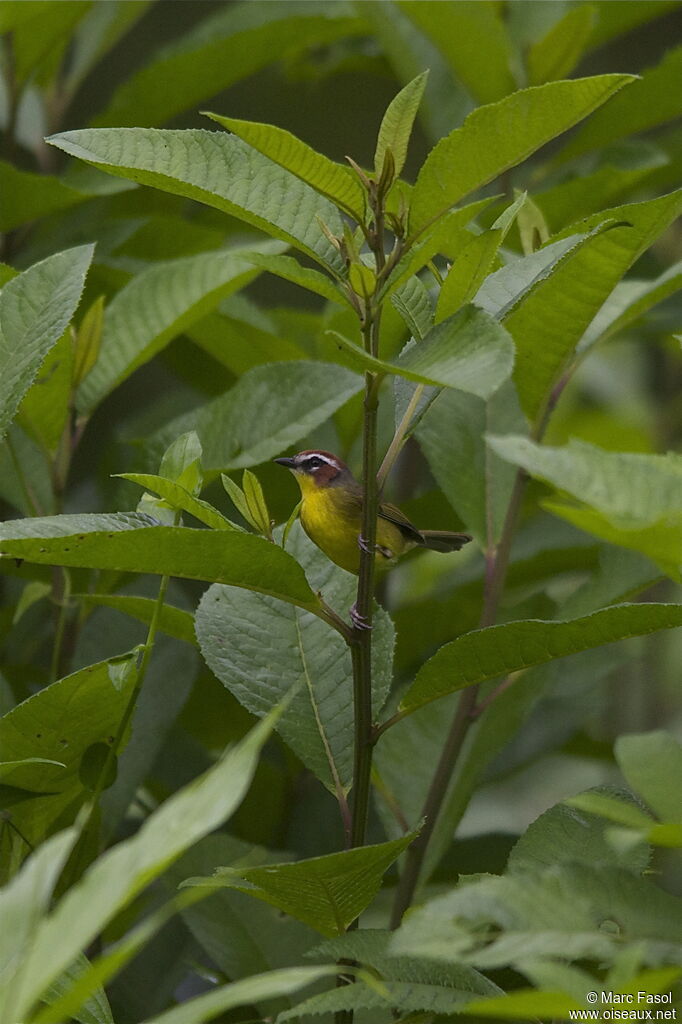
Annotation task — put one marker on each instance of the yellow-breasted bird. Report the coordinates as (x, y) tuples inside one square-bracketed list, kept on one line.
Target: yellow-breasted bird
[(331, 515)]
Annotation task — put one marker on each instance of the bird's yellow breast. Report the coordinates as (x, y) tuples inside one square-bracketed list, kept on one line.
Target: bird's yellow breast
[(331, 516)]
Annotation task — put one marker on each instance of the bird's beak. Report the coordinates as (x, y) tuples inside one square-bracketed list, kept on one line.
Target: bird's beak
[(289, 463)]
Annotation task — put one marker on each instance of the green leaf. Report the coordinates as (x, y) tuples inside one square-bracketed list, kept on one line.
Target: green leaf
[(88, 340), (505, 288), (219, 170), (245, 992), (173, 621), (551, 319), (499, 650), (650, 761), (615, 19), (35, 308), (496, 137), (119, 875), (27, 196), (652, 100), (412, 301), (629, 487), (255, 500), (396, 125), (269, 408), (474, 479), (527, 1002), (52, 730), (467, 273), (180, 498), (469, 351), (614, 808), (336, 182), (95, 1009), (154, 307), (222, 49), (181, 462), (562, 834), (464, 33), (290, 269), (23, 903), (45, 408), (628, 301), (130, 543), (281, 648), (557, 53), (327, 893)]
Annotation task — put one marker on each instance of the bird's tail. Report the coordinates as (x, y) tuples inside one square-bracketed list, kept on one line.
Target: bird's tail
[(444, 540)]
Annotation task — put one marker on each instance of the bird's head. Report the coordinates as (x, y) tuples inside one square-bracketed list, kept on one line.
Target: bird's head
[(315, 469)]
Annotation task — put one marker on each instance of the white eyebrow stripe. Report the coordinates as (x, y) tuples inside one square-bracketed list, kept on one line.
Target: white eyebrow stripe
[(322, 458)]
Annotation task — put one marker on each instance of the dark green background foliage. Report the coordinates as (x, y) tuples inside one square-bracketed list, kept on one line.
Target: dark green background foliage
[(189, 826)]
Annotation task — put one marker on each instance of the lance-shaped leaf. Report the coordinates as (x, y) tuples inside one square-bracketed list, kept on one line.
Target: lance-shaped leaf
[(330, 179), (54, 728), (133, 543), (245, 992), (328, 893), (500, 135), (155, 306), (269, 408), (652, 100), (23, 902), (173, 621), (470, 351), (260, 649), (35, 308), (219, 170), (462, 32), (396, 125), (27, 196), (179, 497), (498, 650), (555, 55), (627, 302), (117, 877), (549, 322), (290, 269)]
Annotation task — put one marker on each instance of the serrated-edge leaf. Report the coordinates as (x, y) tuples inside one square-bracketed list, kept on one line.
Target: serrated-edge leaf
[(396, 124), (453, 354), (35, 309), (219, 170), (179, 497), (155, 306), (327, 892), (330, 179), (134, 544), (500, 135), (290, 269), (500, 650)]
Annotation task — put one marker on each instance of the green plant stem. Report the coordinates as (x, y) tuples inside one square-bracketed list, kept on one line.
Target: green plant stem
[(465, 715), (361, 641), (61, 592)]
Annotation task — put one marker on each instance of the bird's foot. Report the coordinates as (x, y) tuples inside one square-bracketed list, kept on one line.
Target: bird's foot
[(359, 621), (364, 546)]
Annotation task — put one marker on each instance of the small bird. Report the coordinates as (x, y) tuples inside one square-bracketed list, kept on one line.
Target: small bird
[(331, 515)]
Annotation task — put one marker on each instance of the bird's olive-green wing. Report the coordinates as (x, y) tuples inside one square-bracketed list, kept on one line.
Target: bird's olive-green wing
[(394, 515)]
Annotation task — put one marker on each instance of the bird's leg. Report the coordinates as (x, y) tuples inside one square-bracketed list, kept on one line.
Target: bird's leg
[(359, 621)]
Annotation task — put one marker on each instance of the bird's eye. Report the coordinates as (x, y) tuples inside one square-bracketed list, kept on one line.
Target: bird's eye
[(314, 463)]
